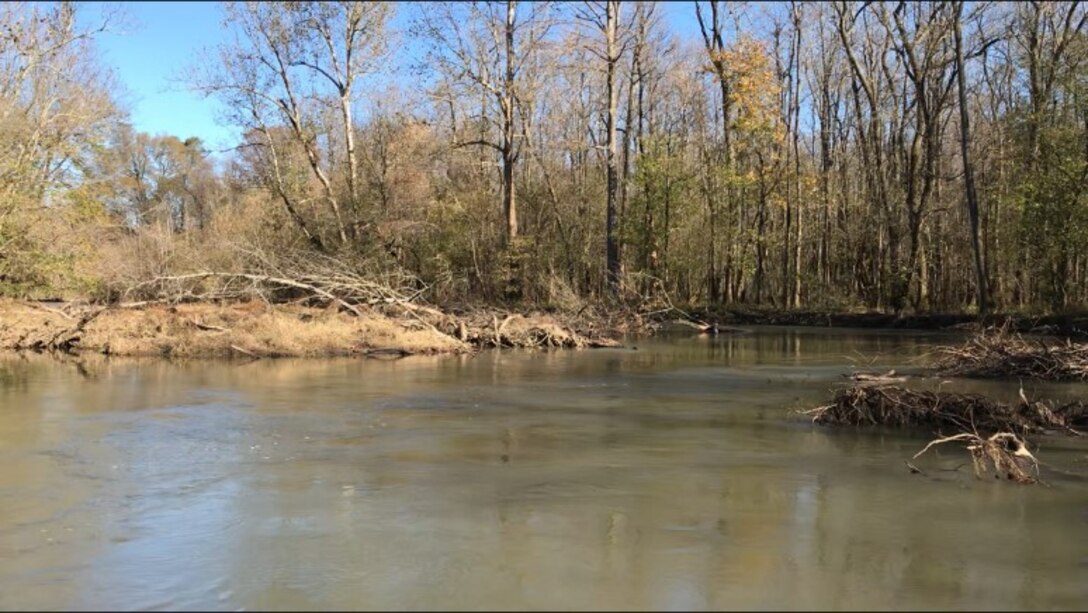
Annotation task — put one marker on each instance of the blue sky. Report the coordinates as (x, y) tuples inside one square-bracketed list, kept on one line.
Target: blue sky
[(157, 40), (154, 44)]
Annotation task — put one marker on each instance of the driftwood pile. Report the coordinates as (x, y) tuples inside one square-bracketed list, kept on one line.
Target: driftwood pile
[(1002, 355), (497, 329), (863, 405), (993, 431)]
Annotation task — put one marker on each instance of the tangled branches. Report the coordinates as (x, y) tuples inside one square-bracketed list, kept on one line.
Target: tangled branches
[(495, 329), (314, 278), (1000, 355), (1004, 452)]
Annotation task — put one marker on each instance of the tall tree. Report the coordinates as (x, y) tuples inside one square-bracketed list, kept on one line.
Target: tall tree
[(970, 195), (606, 20)]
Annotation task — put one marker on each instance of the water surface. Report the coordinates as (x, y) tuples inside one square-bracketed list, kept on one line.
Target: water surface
[(668, 477)]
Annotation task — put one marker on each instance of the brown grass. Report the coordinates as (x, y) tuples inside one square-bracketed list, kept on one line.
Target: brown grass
[(205, 330)]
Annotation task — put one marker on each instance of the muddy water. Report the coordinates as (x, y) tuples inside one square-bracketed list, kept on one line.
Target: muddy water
[(667, 477)]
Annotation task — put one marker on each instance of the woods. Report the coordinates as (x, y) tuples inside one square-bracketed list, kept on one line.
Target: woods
[(899, 156)]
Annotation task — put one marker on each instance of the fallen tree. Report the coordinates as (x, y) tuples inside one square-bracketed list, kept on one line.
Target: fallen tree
[(313, 279)]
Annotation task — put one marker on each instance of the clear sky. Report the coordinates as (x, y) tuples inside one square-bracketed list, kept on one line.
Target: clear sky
[(156, 41), (150, 48)]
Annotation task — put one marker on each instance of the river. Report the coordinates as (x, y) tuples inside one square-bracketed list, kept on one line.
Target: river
[(670, 476)]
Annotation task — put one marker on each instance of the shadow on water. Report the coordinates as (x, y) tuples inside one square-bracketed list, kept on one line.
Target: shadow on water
[(669, 477)]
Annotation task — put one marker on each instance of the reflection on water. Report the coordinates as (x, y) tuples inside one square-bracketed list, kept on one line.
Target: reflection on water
[(667, 477)]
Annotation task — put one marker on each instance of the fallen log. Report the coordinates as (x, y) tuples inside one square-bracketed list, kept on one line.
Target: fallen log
[(254, 278), (245, 352), (867, 377), (387, 353)]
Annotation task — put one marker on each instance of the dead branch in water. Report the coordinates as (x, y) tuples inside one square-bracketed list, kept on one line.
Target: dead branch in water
[(867, 377), (1003, 452), (484, 329), (387, 352)]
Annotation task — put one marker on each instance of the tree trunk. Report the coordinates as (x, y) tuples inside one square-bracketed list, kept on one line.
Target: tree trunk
[(509, 159), (968, 169), (612, 244), (349, 138)]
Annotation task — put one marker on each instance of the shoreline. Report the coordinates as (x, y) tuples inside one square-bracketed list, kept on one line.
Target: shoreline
[(1069, 325), (256, 329)]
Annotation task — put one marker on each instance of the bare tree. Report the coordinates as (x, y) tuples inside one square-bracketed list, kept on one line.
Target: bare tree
[(271, 76), (340, 42), (485, 46)]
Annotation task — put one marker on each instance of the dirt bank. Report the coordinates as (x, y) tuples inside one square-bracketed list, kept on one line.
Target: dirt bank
[(258, 329)]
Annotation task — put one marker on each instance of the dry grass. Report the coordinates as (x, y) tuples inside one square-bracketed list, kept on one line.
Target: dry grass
[(204, 330)]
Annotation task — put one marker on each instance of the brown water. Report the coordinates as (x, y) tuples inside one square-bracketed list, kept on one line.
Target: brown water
[(667, 477)]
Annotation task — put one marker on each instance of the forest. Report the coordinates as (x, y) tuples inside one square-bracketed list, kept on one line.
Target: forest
[(922, 156)]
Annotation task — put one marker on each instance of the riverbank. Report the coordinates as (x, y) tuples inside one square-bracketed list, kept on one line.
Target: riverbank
[(257, 329), (1071, 325)]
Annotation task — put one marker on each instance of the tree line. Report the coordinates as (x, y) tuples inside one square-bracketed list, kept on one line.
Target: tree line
[(922, 155)]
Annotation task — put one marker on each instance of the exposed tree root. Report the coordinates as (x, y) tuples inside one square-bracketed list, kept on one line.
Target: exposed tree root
[(63, 338)]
